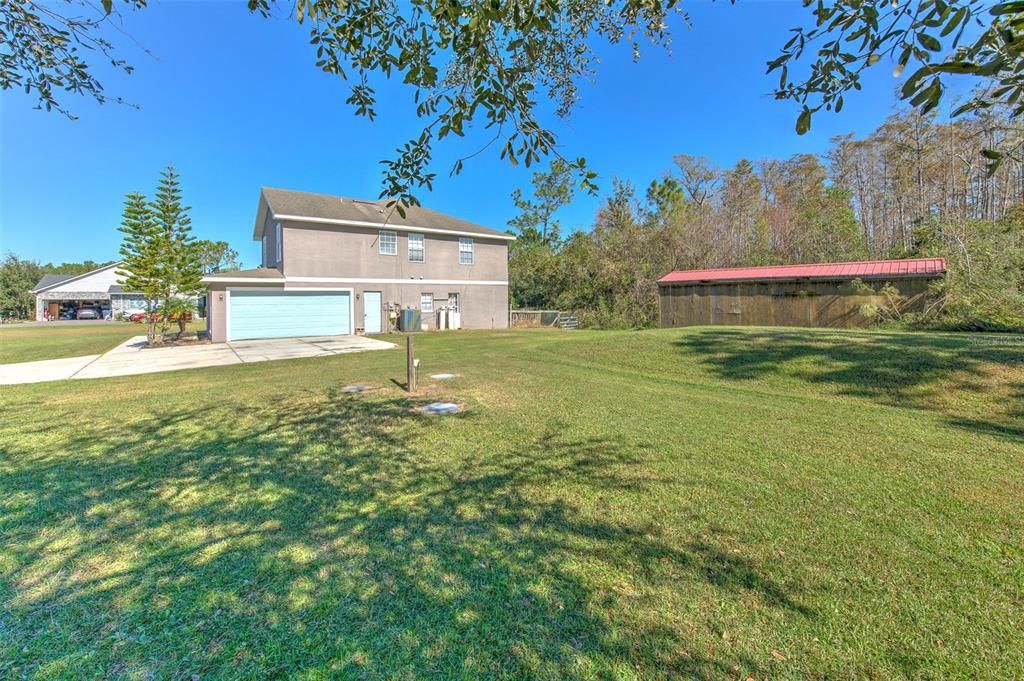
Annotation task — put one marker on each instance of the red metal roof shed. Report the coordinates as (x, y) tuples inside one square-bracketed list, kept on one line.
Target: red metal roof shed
[(829, 271)]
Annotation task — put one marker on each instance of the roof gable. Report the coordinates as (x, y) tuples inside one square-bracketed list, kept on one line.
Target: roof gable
[(285, 204), (51, 281)]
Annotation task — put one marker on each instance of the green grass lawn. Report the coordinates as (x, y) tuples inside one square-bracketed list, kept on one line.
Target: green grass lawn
[(611, 505), (54, 340)]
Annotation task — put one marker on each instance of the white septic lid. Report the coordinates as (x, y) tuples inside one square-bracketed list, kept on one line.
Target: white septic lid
[(440, 408)]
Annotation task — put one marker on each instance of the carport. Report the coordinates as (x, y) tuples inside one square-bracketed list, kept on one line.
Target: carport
[(60, 296), (54, 301)]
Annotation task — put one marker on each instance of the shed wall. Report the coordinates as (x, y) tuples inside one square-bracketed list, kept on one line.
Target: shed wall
[(814, 303)]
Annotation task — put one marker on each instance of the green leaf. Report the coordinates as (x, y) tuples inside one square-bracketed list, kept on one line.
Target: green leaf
[(929, 42), (956, 67), (803, 122), (1002, 8), (911, 85), (954, 21)]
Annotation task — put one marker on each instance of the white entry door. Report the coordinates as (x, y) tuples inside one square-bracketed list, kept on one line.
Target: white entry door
[(371, 312)]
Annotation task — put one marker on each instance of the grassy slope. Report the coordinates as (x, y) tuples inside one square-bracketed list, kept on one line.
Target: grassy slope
[(31, 343), (610, 505)]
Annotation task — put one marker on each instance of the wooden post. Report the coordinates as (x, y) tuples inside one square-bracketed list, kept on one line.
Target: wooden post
[(410, 366)]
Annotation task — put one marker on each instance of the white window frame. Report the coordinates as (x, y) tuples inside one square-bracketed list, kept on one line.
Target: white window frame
[(426, 296), (458, 301), (392, 241), (278, 247), (466, 248), (422, 249)]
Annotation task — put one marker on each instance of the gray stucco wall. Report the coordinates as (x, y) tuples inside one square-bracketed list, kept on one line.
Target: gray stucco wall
[(313, 251), (481, 306), (269, 246), (334, 251), (215, 313)]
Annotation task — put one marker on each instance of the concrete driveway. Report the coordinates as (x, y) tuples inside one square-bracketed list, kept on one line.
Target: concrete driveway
[(132, 357)]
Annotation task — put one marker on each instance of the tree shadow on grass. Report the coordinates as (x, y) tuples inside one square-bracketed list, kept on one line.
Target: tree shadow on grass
[(1011, 428), (313, 538), (902, 369)]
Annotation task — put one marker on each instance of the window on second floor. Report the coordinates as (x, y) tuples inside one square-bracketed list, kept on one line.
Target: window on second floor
[(426, 302), (277, 242), (416, 248), (387, 242), (465, 251)]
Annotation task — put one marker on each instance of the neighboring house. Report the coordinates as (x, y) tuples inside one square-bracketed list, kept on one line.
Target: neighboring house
[(334, 266), (822, 294), (102, 288)]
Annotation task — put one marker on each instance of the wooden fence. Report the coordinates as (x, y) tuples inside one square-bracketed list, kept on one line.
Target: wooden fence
[(524, 319)]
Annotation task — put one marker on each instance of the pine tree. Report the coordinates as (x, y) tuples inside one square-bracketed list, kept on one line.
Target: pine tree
[(183, 265), (142, 252), (161, 259)]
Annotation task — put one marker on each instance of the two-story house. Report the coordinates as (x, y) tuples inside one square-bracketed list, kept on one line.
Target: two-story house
[(335, 266)]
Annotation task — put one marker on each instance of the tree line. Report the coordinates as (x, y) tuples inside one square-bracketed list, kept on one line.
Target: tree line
[(915, 187)]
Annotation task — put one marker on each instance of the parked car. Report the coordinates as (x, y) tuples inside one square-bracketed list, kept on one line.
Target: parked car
[(87, 313), (136, 317)]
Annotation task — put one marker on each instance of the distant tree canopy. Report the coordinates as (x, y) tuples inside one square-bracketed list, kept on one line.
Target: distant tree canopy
[(489, 64), (17, 277), (912, 188), (217, 256), (75, 267)]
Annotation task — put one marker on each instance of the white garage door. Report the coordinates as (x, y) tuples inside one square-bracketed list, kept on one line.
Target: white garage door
[(283, 314)]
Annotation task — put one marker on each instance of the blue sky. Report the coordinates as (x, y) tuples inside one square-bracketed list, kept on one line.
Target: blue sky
[(235, 102)]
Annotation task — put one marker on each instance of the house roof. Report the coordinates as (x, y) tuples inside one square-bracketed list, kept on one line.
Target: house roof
[(285, 204), (259, 273), (867, 269), (51, 280)]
